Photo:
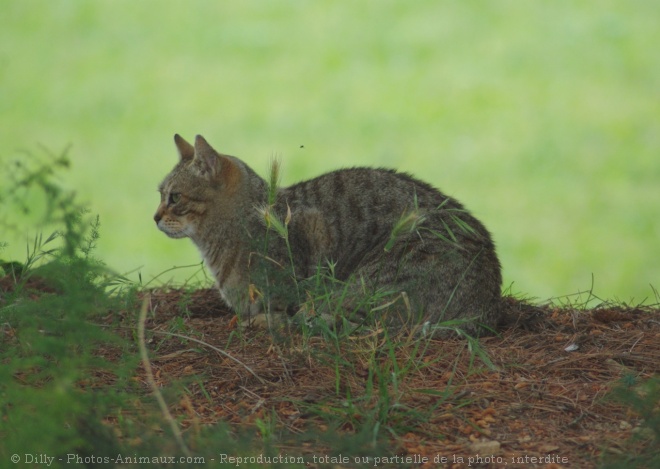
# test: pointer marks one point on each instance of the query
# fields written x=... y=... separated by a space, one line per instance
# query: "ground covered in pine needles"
x=540 y=394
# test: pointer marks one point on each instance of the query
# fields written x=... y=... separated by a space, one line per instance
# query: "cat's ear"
x=206 y=158
x=215 y=165
x=186 y=150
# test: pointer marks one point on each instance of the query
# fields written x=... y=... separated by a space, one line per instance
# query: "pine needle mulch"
x=543 y=400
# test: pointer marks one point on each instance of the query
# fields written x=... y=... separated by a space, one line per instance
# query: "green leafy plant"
x=643 y=448
x=53 y=373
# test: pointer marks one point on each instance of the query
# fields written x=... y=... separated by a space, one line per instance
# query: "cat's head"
x=203 y=180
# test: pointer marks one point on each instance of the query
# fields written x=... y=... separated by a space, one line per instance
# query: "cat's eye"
x=173 y=198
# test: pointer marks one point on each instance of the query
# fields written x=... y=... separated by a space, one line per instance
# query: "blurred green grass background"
x=541 y=117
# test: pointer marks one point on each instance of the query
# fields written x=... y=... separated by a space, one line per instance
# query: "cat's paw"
x=264 y=321
x=319 y=320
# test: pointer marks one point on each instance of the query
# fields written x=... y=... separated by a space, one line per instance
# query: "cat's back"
x=363 y=192
x=359 y=207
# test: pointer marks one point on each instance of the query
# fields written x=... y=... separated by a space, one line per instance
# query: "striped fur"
x=441 y=258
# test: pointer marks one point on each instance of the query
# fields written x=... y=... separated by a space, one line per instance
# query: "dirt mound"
x=539 y=392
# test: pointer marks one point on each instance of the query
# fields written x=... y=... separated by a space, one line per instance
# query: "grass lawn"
x=542 y=117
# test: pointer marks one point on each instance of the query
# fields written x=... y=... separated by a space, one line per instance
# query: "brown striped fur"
x=442 y=264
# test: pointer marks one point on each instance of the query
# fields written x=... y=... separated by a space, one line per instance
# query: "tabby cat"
x=371 y=233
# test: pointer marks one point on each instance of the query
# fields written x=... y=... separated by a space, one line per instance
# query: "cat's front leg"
x=264 y=313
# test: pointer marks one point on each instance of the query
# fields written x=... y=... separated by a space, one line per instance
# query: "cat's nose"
x=157 y=217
